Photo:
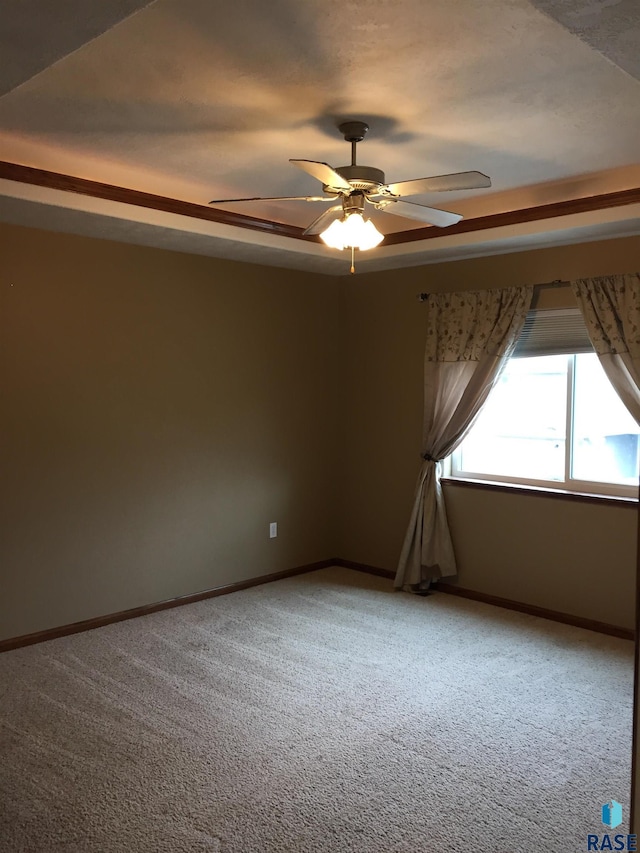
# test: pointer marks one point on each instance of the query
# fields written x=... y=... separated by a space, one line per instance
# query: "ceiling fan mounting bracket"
x=353 y=131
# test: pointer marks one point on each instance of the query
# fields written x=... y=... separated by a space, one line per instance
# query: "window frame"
x=453 y=470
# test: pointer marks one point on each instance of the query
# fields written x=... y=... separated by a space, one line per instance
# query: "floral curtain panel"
x=611 y=309
x=470 y=336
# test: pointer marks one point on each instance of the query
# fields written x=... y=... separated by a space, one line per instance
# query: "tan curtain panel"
x=470 y=336
x=611 y=309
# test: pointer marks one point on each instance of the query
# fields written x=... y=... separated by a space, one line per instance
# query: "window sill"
x=541 y=491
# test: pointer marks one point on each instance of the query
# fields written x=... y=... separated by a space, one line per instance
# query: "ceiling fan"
x=358 y=186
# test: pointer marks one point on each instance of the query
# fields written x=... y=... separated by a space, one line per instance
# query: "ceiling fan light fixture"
x=352 y=232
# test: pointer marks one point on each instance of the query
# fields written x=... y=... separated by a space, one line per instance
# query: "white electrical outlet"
x=273 y=530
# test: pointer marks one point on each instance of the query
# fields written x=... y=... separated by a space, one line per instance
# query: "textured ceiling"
x=201 y=99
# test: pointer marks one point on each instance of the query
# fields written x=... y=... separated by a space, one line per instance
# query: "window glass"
x=605 y=442
x=521 y=431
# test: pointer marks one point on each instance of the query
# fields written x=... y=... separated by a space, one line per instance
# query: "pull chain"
x=353 y=266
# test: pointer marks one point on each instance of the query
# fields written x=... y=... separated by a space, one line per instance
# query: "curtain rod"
x=557 y=282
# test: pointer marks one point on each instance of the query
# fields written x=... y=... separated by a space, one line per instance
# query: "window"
x=553 y=420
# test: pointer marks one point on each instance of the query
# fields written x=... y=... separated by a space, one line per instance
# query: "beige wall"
x=566 y=556
x=158 y=411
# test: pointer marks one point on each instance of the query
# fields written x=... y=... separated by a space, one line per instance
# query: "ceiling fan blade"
x=325 y=219
x=323 y=172
x=276 y=198
x=411 y=210
x=438 y=183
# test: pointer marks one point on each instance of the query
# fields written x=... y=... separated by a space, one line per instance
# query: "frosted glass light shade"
x=352 y=231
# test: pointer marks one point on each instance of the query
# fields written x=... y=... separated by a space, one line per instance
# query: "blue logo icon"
x=612 y=814
x=611 y=818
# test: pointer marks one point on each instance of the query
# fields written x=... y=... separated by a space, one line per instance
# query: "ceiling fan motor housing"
x=364 y=178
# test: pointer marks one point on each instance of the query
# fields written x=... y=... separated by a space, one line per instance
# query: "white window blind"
x=553 y=331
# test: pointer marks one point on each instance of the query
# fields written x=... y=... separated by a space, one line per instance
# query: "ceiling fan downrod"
x=353 y=132
x=361 y=178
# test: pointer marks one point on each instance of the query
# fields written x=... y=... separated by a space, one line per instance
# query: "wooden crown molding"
x=110 y=192
x=124 y=195
x=603 y=201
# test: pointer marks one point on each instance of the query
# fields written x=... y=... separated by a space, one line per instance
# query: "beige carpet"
x=320 y=713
